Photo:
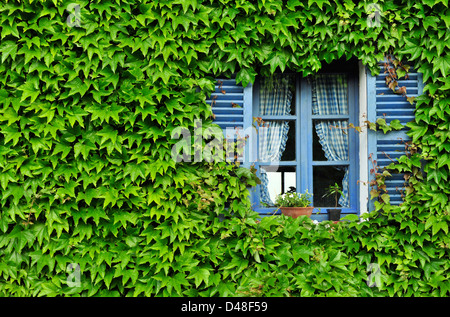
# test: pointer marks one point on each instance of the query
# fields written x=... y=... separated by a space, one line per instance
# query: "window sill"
x=318 y=215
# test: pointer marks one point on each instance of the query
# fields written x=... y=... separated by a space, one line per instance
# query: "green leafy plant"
x=293 y=199
x=93 y=205
x=334 y=190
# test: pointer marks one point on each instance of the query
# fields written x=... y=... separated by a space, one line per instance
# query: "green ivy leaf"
x=83 y=230
x=439 y=225
x=11 y=133
x=84 y=148
x=178 y=281
x=88 y=195
x=245 y=76
x=383 y=125
x=319 y=3
x=30 y=89
x=416 y=131
x=75 y=114
x=339 y=262
x=430 y=21
x=76 y=86
x=111 y=197
x=276 y=60
x=63 y=147
x=8 y=48
x=442 y=63
x=108 y=133
x=16 y=191
x=413 y=48
x=396 y=124
x=117 y=58
x=303 y=252
x=200 y=275
x=6 y=177
x=351 y=218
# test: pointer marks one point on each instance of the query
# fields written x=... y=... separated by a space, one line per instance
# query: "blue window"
x=304 y=141
x=301 y=142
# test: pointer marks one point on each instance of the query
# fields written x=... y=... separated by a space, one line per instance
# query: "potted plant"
x=334 y=214
x=295 y=204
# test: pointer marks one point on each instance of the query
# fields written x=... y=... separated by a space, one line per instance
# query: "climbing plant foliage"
x=92 y=203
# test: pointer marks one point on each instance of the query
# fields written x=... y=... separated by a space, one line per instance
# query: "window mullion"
x=279 y=117
x=330 y=117
x=330 y=163
x=298 y=149
x=353 y=140
x=304 y=118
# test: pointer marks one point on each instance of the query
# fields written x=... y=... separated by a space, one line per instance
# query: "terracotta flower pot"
x=294 y=212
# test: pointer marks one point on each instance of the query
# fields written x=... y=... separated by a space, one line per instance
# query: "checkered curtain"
x=330 y=98
x=275 y=99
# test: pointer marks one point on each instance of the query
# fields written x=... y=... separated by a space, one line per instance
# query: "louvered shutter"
x=384 y=103
x=232 y=107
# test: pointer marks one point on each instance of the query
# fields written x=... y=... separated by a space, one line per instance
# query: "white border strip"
x=363 y=157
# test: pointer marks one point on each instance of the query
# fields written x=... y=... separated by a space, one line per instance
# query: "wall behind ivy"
x=92 y=203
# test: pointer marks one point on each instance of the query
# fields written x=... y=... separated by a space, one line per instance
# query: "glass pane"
x=329 y=94
x=323 y=177
x=294 y=96
x=277 y=182
x=276 y=141
x=276 y=95
x=289 y=151
x=318 y=153
x=330 y=140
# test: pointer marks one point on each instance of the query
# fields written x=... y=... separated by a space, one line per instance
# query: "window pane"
x=318 y=153
x=276 y=141
x=289 y=151
x=330 y=140
x=276 y=95
x=278 y=182
x=294 y=96
x=329 y=94
x=323 y=177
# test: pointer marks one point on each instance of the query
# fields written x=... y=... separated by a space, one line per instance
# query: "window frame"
x=304 y=157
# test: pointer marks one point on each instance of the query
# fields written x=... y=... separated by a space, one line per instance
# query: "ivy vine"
x=93 y=205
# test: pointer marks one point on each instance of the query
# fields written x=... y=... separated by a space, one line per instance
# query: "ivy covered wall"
x=92 y=203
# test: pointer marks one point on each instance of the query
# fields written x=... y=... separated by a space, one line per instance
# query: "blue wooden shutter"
x=232 y=107
x=384 y=103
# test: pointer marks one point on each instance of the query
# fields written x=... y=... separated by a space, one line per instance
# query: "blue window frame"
x=235 y=107
x=302 y=162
